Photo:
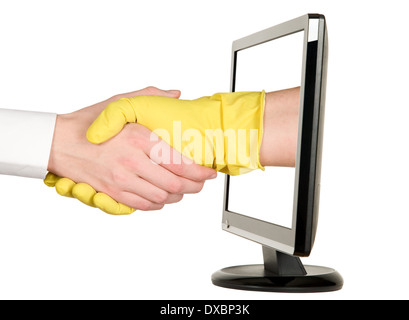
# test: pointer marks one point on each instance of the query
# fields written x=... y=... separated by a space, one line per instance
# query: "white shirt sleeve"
x=25 y=142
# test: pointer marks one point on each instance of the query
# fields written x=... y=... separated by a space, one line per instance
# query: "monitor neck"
x=282 y=264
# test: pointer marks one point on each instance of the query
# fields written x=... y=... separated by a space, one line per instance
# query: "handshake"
x=147 y=148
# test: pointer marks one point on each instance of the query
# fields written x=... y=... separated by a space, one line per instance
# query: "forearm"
x=279 y=144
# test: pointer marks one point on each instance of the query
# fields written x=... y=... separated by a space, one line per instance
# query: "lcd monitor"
x=278 y=208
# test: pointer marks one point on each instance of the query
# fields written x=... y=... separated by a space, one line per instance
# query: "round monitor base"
x=256 y=278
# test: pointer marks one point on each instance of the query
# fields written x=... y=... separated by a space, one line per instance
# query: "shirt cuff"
x=25 y=142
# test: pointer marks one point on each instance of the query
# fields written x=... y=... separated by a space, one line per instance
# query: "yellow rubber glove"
x=226 y=129
x=86 y=194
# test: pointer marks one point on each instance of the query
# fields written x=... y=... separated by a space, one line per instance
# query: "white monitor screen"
x=271 y=66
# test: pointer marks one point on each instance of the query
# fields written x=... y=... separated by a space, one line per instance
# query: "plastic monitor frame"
x=282 y=270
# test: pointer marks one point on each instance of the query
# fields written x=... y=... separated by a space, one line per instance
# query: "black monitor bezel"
x=299 y=239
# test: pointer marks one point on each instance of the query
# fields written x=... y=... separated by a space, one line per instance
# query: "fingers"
x=64 y=187
x=165 y=180
x=135 y=184
x=176 y=163
x=84 y=193
x=51 y=179
x=189 y=170
x=138 y=202
x=155 y=198
x=110 y=206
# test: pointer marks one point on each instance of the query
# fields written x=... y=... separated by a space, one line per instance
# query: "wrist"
x=56 y=145
x=68 y=144
x=279 y=144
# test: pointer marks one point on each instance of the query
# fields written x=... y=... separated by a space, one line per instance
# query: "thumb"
x=154 y=91
x=151 y=91
x=173 y=93
x=111 y=121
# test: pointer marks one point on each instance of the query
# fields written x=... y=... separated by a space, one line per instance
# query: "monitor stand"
x=279 y=273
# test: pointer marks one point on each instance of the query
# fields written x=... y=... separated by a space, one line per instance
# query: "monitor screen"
x=278 y=207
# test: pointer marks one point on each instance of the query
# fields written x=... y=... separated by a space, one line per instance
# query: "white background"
x=62 y=57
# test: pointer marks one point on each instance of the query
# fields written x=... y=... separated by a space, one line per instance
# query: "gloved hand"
x=237 y=116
